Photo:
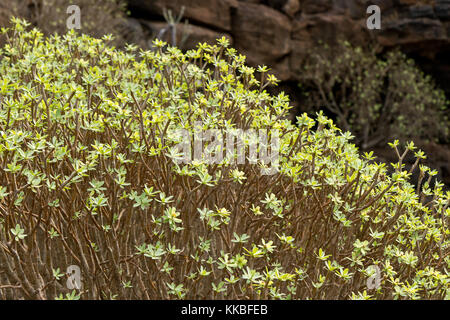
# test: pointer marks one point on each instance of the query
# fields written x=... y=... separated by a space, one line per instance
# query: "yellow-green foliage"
x=88 y=177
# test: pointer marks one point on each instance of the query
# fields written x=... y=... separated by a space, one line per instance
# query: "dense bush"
x=376 y=98
x=89 y=177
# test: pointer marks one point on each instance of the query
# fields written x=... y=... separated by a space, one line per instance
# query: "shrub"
x=377 y=99
x=90 y=177
x=98 y=17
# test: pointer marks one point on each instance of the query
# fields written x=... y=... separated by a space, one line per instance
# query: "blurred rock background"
x=276 y=33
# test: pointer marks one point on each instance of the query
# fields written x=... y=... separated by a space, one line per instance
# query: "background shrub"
x=377 y=99
x=89 y=177
x=99 y=17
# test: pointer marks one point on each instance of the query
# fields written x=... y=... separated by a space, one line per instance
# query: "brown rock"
x=316 y=6
x=216 y=13
x=308 y=31
x=421 y=12
x=356 y=9
x=443 y=10
x=263 y=35
x=408 y=2
x=275 y=4
x=407 y=31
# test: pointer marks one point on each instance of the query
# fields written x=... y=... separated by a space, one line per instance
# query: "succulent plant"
x=89 y=177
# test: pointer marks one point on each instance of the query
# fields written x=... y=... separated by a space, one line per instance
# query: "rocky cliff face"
x=278 y=32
